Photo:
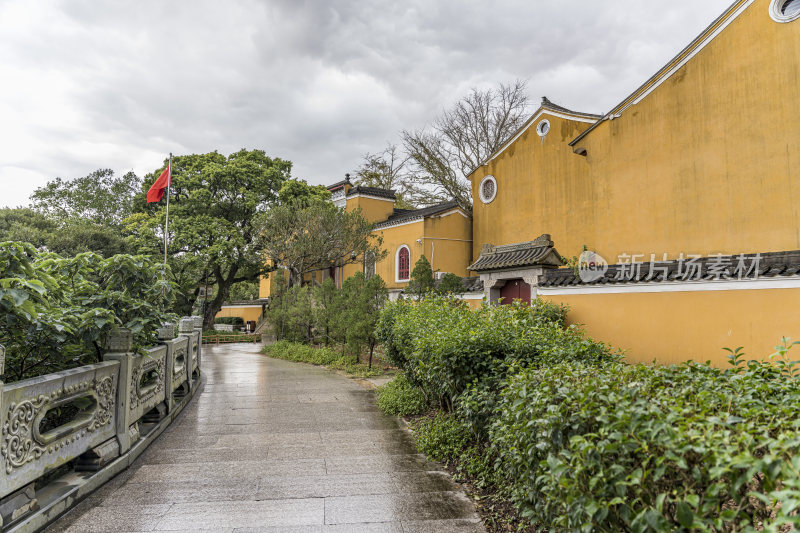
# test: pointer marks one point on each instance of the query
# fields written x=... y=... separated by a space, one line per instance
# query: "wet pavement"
x=273 y=446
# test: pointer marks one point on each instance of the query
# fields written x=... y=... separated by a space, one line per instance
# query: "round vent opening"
x=487 y=189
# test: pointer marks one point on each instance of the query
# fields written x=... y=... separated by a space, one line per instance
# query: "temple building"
x=683 y=200
x=669 y=225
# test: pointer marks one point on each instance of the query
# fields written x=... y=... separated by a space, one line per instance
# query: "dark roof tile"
x=372 y=191
x=770 y=264
x=403 y=215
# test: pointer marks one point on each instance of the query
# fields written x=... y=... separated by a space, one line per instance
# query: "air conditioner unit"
x=440 y=275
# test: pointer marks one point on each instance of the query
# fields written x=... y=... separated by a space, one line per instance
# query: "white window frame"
x=775 y=12
x=480 y=189
x=540 y=128
x=397 y=264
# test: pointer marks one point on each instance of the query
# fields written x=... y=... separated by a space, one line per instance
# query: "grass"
x=327 y=357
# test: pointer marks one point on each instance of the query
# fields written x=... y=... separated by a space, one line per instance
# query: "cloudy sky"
x=88 y=84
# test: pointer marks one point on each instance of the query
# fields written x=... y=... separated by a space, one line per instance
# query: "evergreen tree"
x=450 y=284
x=326 y=310
x=422 y=281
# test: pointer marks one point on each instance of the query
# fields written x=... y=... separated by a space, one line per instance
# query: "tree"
x=57 y=311
x=215 y=202
x=278 y=309
x=460 y=139
x=422 y=281
x=362 y=300
x=99 y=197
x=70 y=236
x=244 y=290
x=386 y=170
x=326 y=310
x=316 y=237
x=300 y=194
x=450 y=284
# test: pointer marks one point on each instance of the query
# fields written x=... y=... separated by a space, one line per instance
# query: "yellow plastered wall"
x=245 y=313
x=373 y=210
x=393 y=238
x=542 y=187
x=447 y=242
x=676 y=326
x=707 y=163
x=265 y=286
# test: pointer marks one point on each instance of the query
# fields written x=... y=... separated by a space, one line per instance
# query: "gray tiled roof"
x=546 y=103
x=770 y=264
x=339 y=184
x=539 y=252
x=403 y=215
x=372 y=191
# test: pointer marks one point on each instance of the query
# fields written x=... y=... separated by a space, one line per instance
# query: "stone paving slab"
x=270 y=446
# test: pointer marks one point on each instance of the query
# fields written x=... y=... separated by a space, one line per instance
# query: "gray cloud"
x=119 y=85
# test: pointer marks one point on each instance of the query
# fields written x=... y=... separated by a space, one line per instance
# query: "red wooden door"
x=515 y=289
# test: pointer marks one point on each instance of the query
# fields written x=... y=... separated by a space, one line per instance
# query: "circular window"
x=488 y=189
x=785 y=10
x=543 y=128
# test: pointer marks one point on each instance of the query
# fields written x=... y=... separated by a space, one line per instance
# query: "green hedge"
x=652 y=448
x=584 y=442
x=399 y=397
x=303 y=353
x=230 y=320
x=444 y=346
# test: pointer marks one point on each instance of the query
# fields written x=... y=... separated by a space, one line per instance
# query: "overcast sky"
x=87 y=84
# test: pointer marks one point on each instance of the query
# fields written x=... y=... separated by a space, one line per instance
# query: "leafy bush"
x=230 y=320
x=399 y=397
x=303 y=353
x=444 y=346
x=57 y=312
x=444 y=437
x=394 y=347
x=450 y=284
x=623 y=447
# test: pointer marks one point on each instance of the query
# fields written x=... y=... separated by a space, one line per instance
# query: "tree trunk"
x=371 y=349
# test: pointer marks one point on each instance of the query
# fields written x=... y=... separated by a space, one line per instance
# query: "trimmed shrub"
x=399 y=397
x=303 y=353
x=230 y=320
x=445 y=346
x=394 y=346
x=620 y=447
x=444 y=437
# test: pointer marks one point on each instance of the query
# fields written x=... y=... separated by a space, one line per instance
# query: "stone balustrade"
x=82 y=426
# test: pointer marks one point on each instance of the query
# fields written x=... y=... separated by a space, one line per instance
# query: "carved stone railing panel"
x=181 y=362
x=26 y=450
x=147 y=382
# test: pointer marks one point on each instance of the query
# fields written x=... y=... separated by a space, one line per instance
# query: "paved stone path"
x=268 y=446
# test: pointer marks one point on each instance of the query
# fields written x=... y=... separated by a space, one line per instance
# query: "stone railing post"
x=198 y=329
x=119 y=345
x=186 y=329
x=166 y=334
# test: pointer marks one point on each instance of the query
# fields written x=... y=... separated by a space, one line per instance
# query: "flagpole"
x=166 y=222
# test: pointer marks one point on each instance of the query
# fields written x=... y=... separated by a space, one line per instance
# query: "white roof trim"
x=448 y=213
x=241 y=306
x=671 y=286
x=523 y=129
x=702 y=44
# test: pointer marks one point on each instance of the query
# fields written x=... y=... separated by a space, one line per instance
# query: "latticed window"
x=403 y=264
x=488 y=189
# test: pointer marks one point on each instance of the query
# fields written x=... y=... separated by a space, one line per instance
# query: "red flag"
x=157 y=190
